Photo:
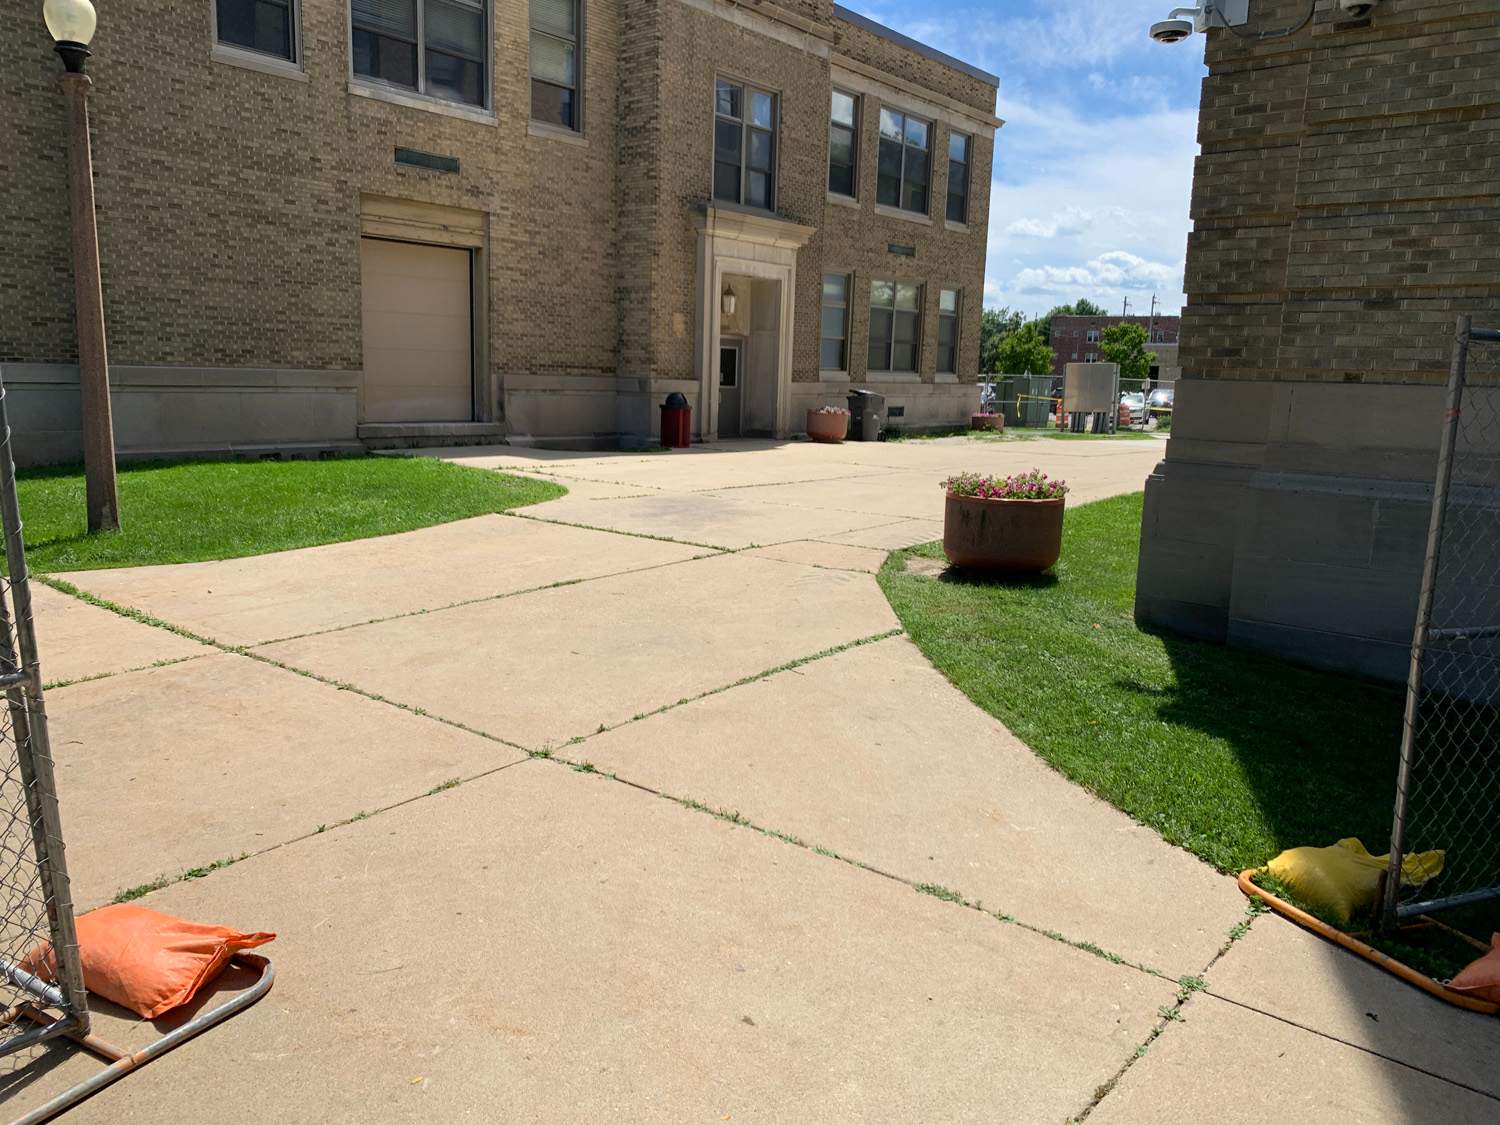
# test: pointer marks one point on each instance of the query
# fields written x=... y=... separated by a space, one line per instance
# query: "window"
x=744 y=145
x=1091 y=358
x=435 y=47
x=843 y=144
x=554 y=62
x=833 y=348
x=958 y=178
x=905 y=162
x=265 y=26
x=895 y=326
x=947 y=354
x=1093 y=335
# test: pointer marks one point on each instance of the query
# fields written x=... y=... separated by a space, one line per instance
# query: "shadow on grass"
x=999 y=579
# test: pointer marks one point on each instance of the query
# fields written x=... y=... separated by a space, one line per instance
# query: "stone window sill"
x=833 y=376
x=556 y=133
x=411 y=100
x=843 y=200
x=254 y=60
x=960 y=228
x=898 y=213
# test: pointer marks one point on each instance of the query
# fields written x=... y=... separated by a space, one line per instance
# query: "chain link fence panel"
x=1448 y=787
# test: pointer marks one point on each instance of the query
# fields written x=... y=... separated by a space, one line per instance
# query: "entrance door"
x=418 y=334
x=731 y=387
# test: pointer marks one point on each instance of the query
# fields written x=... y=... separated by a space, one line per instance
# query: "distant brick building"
x=1075 y=339
x=327 y=222
x=1344 y=213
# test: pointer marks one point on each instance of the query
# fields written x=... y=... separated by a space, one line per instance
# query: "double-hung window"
x=435 y=47
x=555 y=55
x=895 y=326
x=744 y=145
x=833 y=347
x=267 y=27
x=843 y=144
x=947 y=343
x=905 y=161
x=958 y=178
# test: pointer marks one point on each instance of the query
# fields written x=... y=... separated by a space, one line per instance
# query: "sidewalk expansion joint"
x=616 y=531
x=1186 y=988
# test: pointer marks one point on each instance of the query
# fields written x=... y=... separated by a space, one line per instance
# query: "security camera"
x=1175 y=31
x=1357 y=8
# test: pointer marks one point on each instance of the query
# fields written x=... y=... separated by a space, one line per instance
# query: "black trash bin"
x=866 y=415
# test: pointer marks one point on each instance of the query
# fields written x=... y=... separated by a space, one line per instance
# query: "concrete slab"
x=893 y=495
x=253 y=600
x=546 y=946
x=892 y=536
x=721 y=519
x=1232 y=1066
x=835 y=556
x=547 y=666
x=872 y=753
x=77 y=640
x=177 y=767
x=1289 y=973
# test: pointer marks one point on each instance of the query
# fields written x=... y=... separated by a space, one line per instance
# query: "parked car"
x=1132 y=409
x=1159 y=402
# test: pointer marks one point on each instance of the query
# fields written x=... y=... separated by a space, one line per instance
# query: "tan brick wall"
x=1346 y=199
x=229 y=198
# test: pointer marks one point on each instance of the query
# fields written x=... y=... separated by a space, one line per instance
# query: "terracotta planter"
x=1014 y=535
x=829 y=428
x=987 y=422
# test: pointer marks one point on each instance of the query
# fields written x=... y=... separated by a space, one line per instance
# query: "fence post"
x=1456 y=376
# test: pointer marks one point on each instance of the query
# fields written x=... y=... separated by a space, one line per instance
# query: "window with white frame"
x=958 y=178
x=1093 y=335
x=843 y=144
x=905 y=170
x=556 y=26
x=947 y=342
x=895 y=326
x=434 y=47
x=744 y=145
x=267 y=27
x=833 y=346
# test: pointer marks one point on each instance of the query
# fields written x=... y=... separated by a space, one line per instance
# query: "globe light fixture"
x=71 y=24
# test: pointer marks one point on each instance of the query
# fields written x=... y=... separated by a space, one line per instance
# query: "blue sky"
x=1093 y=170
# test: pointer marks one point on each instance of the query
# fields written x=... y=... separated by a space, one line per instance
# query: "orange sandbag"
x=146 y=961
x=1482 y=978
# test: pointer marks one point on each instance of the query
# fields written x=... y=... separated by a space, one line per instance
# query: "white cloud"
x=1113 y=271
x=1071 y=220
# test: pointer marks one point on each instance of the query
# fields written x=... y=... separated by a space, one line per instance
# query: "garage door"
x=417 y=333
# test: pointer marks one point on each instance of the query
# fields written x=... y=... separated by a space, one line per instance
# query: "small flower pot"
x=1023 y=536
x=830 y=429
x=987 y=422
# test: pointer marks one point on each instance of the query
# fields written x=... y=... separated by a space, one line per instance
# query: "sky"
x=1093 y=169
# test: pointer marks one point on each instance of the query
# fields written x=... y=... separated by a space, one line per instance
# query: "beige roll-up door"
x=418 y=334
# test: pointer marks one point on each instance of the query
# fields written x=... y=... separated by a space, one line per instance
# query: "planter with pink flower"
x=1004 y=523
x=828 y=424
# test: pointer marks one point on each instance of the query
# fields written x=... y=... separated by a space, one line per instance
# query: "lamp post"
x=71 y=23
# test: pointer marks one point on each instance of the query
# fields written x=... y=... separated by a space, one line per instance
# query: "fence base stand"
x=1368 y=952
x=122 y=1062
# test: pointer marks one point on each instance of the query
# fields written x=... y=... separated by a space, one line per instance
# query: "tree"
x=1125 y=344
x=1084 y=307
x=1025 y=350
x=994 y=326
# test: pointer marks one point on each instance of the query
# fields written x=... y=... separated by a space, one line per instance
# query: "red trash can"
x=676 y=422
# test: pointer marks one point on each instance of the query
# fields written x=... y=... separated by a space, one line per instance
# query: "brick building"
x=1344 y=207
x=331 y=221
x=1075 y=339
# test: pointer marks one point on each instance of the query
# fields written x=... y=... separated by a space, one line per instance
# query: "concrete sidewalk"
x=560 y=822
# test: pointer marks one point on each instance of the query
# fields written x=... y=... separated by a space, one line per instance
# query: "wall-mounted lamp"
x=728 y=302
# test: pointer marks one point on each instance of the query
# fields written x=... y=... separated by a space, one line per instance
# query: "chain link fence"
x=1448 y=787
x=41 y=983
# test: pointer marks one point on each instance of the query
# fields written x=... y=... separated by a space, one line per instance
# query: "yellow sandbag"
x=1344 y=880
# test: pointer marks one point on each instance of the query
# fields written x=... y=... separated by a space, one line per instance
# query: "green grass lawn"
x=1230 y=755
x=199 y=510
